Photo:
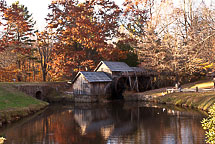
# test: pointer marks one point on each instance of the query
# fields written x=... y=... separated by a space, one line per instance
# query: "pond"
x=117 y=123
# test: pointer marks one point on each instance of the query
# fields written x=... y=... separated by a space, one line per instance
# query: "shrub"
x=208 y=125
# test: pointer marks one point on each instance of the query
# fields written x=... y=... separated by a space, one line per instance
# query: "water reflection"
x=108 y=123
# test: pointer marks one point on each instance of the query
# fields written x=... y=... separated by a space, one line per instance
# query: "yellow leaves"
x=209 y=66
x=60 y=21
x=83 y=17
x=50 y=25
x=79 y=40
x=76 y=70
x=2 y=139
x=54 y=2
x=208 y=124
x=68 y=18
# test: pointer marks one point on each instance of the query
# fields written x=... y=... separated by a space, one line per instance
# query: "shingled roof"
x=115 y=66
x=93 y=77
x=144 y=71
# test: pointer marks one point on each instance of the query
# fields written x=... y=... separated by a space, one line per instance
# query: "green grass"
x=15 y=104
x=201 y=101
x=10 y=98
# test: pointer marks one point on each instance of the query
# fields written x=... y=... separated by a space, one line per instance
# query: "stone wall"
x=91 y=98
x=85 y=98
x=42 y=90
x=138 y=97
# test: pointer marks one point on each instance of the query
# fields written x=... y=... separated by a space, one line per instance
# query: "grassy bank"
x=201 y=101
x=15 y=104
x=197 y=100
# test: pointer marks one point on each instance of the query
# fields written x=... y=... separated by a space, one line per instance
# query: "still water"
x=112 y=123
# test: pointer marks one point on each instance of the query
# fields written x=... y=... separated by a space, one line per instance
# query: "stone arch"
x=38 y=95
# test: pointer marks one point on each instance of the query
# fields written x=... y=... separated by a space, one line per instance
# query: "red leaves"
x=17 y=28
x=82 y=31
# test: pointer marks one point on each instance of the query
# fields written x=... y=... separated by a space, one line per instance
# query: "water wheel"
x=119 y=86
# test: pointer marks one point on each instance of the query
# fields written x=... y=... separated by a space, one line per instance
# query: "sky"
x=39 y=9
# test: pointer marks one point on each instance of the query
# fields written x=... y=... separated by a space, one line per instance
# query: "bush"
x=208 y=125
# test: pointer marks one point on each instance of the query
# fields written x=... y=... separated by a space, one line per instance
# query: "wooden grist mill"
x=137 y=80
x=121 y=78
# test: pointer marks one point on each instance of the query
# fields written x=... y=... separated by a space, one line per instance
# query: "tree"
x=2 y=38
x=18 y=30
x=19 y=27
x=82 y=31
x=16 y=38
x=45 y=41
x=178 y=41
x=134 y=18
x=131 y=56
x=208 y=125
x=149 y=25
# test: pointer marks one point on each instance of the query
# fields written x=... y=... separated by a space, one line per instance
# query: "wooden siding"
x=81 y=86
x=104 y=68
x=98 y=88
x=116 y=74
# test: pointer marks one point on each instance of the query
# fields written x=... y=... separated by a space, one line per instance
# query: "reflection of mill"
x=127 y=122
x=89 y=121
x=104 y=122
x=109 y=123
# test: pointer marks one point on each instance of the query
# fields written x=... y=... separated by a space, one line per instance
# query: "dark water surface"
x=112 y=123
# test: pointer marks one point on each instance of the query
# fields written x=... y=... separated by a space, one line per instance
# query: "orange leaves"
x=68 y=18
x=18 y=27
x=54 y=2
x=17 y=31
x=53 y=25
x=82 y=31
x=60 y=21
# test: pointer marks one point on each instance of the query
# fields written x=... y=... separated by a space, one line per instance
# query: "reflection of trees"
x=53 y=126
x=114 y=123
x=145 y=125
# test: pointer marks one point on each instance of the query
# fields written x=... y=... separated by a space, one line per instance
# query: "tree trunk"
x=44 y=75
x=44 y=67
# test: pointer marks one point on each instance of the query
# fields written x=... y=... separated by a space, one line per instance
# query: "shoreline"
x=201 y=100
x=194 y=100
x=15 y=105
x=15 y=114
x=11 y=112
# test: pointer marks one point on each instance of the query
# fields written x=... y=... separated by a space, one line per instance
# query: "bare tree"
x=45 y=47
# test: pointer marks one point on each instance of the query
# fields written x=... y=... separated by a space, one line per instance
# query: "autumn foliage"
x=82 y=31
x=157 y=35
x=16 y=40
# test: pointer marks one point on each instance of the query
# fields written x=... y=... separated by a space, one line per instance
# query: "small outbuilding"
x=113 y=69
x=91 y=86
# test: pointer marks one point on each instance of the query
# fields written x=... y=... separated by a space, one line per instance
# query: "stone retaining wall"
x=85 y=98
x=42 y=91
x=138 y=97
x=90 y=98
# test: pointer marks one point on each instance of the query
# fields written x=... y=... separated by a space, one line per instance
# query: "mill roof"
x=115 y=66
x=93 y=77
x=144 y=71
